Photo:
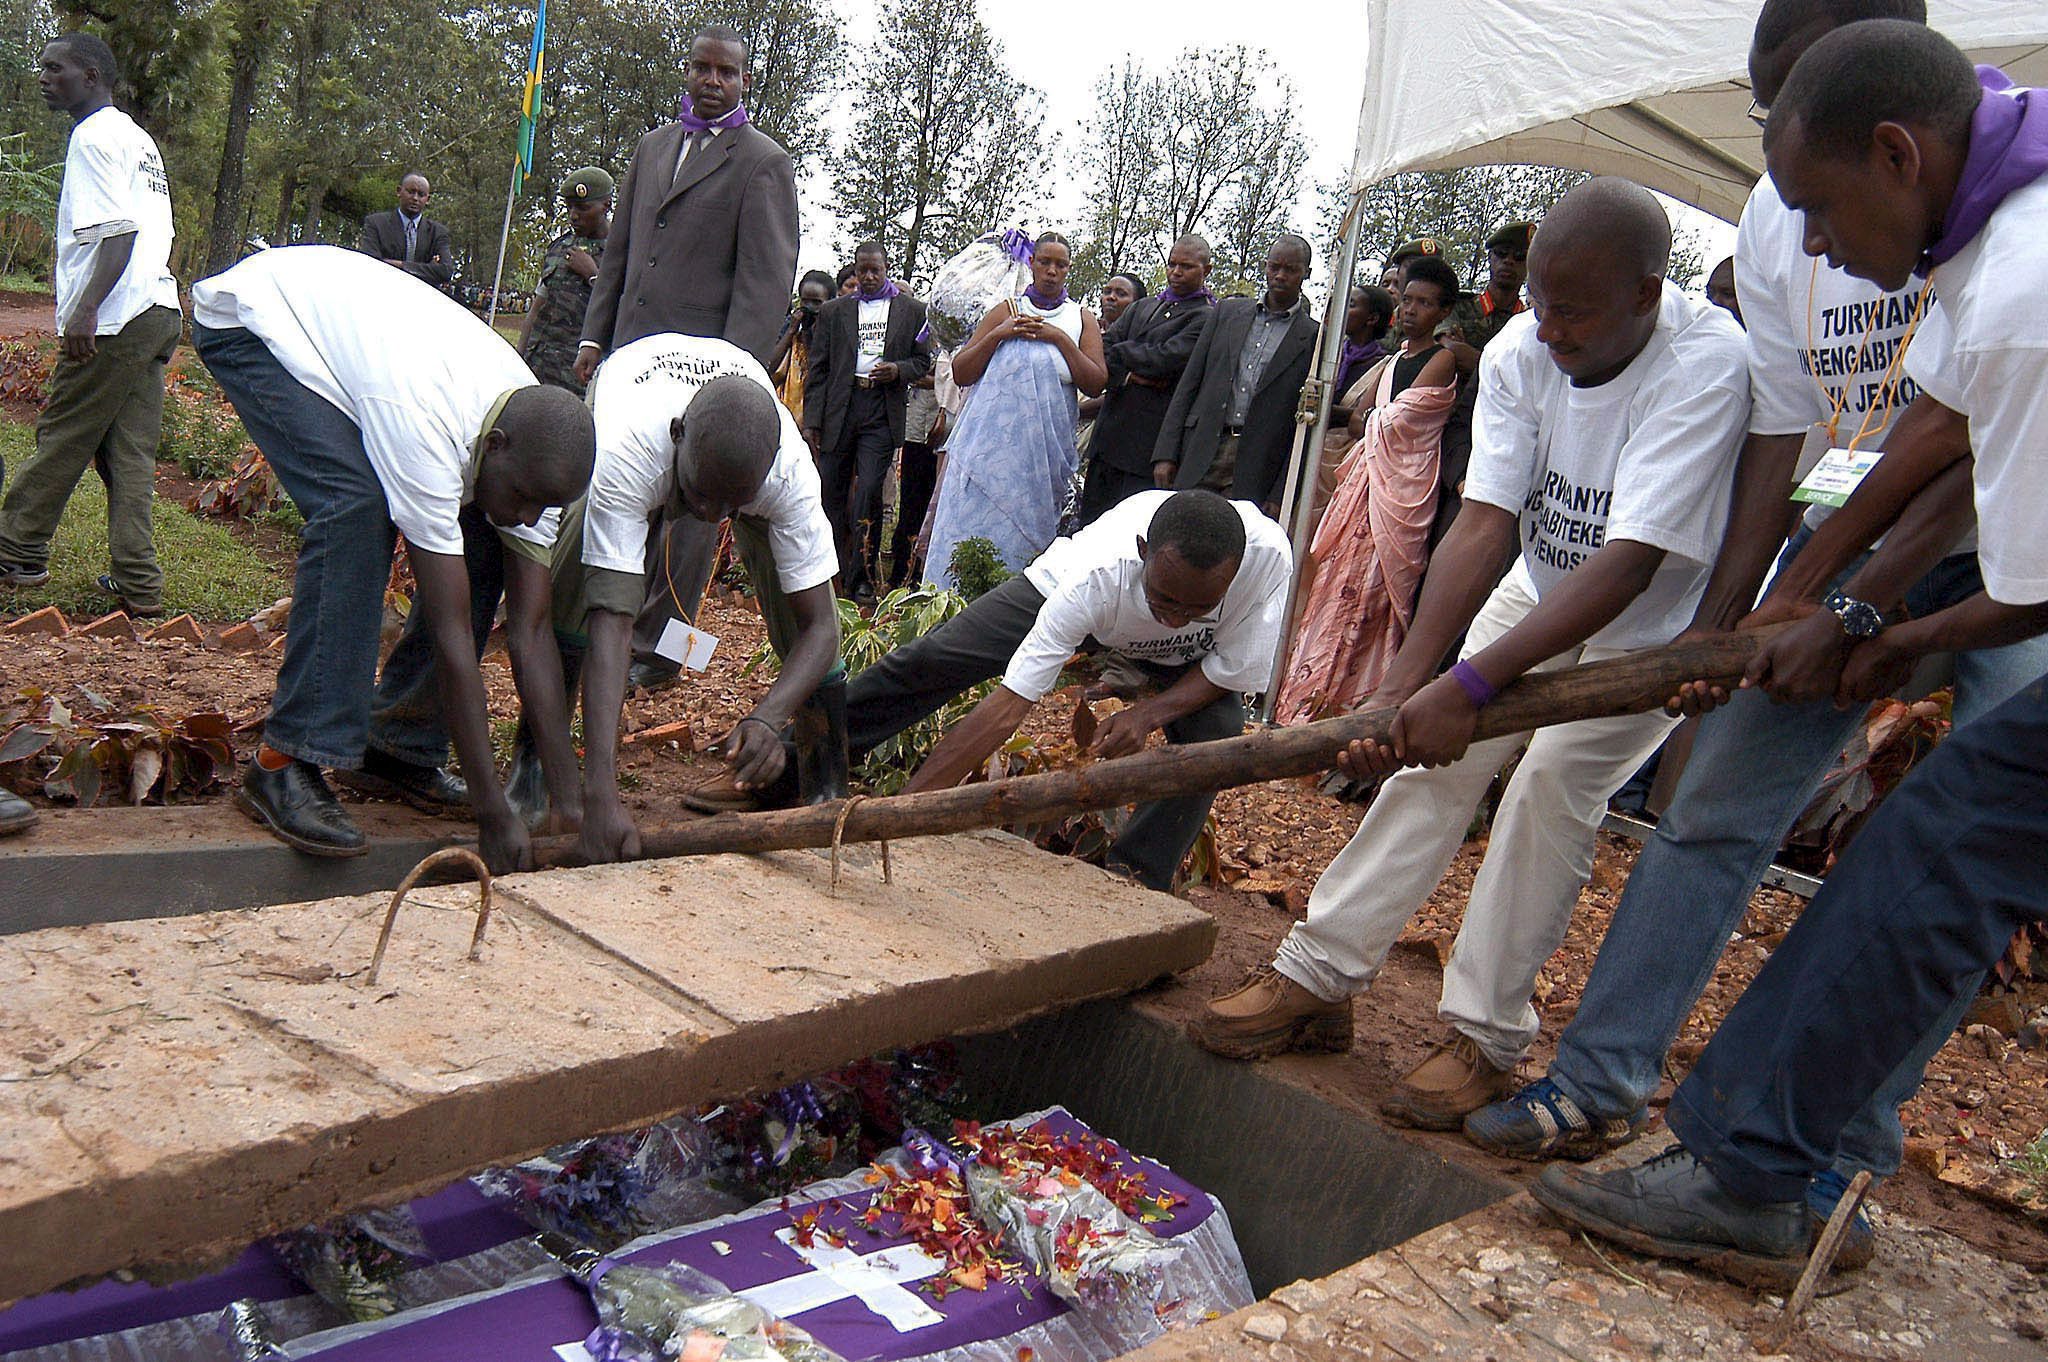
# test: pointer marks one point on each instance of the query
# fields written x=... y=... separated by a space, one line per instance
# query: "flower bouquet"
x=768 y=1147
x=601 y=1192
x=993 y=267
x=351 y=1263
x=1030 y=1187
x=915 y=1088
x=654 y=1313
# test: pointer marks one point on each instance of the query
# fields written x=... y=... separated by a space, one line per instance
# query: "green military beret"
x=1426 y=245
x=1514 y=236
x=588 y=185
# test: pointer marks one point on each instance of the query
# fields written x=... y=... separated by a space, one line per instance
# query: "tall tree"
x=1460 y=208
x=1223 y=111
x=255 y=25
x=1120 y=152
x=1260 y=202
x=948 y=142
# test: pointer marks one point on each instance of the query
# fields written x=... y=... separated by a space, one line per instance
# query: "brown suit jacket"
x=710 y=252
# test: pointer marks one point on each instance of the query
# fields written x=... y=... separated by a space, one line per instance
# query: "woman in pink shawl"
x=1369 y=550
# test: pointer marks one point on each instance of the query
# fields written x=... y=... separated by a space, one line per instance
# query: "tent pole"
x=1304 y=466
x=504 y=240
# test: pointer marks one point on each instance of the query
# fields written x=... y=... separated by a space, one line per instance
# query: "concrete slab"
x=1508 y=1284
x=173 y=1088
x=119 y=864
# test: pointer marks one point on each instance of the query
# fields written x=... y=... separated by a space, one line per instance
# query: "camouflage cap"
x=1513 y=236
x=588 y=185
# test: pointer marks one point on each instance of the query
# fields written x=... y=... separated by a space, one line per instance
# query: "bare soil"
x=1986 y=1098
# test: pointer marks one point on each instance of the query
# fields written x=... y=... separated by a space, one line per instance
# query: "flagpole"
x=504 y=239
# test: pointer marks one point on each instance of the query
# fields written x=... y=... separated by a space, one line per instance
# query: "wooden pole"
x=1623 y=685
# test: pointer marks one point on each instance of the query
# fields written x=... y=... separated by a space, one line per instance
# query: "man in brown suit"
x=703 y=242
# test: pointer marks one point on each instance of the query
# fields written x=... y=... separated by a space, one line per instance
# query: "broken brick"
x=113 y=626
x=183 y=629
x=241 y=638
x=48 y=620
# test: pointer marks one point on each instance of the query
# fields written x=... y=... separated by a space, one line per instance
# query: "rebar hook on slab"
x=839 y=835
x=441 y=857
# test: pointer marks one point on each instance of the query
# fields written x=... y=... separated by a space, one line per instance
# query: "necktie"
x=411 y=231
x=691 y=143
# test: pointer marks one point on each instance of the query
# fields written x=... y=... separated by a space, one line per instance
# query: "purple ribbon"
x=2008 y=152
x=686 y=114
x=1044 y=304
x=1015 y=244
x=889 y=289
x=1170 y=296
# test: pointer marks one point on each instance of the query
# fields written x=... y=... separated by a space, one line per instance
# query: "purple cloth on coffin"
x=525 y=1325
x=456 y=1221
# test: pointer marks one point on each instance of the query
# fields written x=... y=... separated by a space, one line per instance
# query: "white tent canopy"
x=1653 y=90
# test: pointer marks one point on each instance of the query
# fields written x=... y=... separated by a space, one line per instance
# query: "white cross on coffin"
x=876 y=1280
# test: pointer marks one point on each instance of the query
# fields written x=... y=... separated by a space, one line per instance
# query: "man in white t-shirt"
x=1604 y=443
x=689 y=426
x=1825 y=371
x=1188 y=587
x=117 y=314
x=1899 y=163
x=380 y=404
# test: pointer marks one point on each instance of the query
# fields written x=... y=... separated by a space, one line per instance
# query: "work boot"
x=822 y=763
x=1542 y=1122
x=1453 y=1082
x=1269 y=1014
x=526 y=787
x=430 y=789
x=1671 y=1207
x=1859 y=1245
x=16 y=813
x=298 y=807
x=651 y=676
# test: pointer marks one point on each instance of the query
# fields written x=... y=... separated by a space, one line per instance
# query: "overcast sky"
x=1314 y=42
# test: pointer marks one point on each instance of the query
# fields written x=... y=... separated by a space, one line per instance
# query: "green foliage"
x=207 y=571
x=2032 y=1166
x=201 y=433
x=977 y=568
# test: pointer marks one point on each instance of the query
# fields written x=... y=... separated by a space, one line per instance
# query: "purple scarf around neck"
x=1170 y=296
x=686 y=114
x=1355 y=355
x=1045 y=304
x=2008 y=152
x=889 y=289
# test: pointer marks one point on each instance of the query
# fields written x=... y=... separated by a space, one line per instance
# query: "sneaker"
x=1671 y=1207
x=1269 y=1014
x=1859 y=1245
x=132 y=609
x=298 y=807
x=430 y=789
x=1541 y=1122
x=21 y=574
x=1456 y=1080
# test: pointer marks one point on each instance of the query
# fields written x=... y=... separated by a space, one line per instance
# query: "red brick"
x=48 y=620
x=115 y=626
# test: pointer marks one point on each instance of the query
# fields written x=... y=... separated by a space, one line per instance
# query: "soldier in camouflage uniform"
x=547 y=342
x=1479 y=316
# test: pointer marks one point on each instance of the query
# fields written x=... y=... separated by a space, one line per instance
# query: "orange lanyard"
x=1888 y=385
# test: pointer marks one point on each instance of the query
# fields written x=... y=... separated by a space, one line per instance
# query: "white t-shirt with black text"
x=415 y=370
x=114 y=183
x=873 y=327
x=1648 y=456
x=1982 y=352
x=1094 y=587
x=639 y=390
x=1818 y=339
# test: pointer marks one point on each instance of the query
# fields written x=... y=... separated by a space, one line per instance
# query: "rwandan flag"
x=529 y=104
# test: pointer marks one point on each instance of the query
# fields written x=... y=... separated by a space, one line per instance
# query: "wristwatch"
x=1860 y=619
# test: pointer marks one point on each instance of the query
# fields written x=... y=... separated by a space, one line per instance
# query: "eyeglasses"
x=1758 y=113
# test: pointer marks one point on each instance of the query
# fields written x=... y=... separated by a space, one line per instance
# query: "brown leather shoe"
x=1269 y=1014
x=716 y=793
x=1441 y=1091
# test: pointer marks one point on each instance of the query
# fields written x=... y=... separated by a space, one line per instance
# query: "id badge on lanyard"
x=1836 y=476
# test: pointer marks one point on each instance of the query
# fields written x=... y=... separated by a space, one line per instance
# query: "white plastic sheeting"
x=1654 y=90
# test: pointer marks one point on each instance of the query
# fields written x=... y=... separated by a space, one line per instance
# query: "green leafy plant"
x=977 y=568
x=200 y=432
x=107 y=756
x=28 y=202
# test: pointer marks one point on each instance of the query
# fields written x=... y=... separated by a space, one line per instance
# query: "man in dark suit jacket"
x=704 y=233
x=703 y=242
x=1146 y=351
x=406 y=237
x=1230 y=427
x=865 y=354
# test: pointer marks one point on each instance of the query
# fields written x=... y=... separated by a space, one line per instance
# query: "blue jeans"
x=320 y=711
x=1755 y=766
x=1927 y=896
x=407 y=721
